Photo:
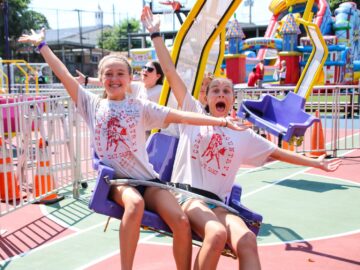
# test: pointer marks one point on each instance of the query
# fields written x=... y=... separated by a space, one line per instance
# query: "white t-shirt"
x=209 y=157
x=117 y=132
x=283 y=73
x=138 y=90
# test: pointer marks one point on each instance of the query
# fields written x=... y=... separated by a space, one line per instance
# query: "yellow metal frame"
x=309 y=25
x=217 y=71
x=194 y=12
x=3 y=74
x=217 y=68
x=16 y=63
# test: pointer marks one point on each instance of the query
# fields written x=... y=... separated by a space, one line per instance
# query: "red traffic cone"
x=9 y=185
x=317 y=139
x=44 y=181
x=287 y=146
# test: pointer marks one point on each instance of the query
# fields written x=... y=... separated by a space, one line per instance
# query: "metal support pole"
x=128 y=35
x=7 y=47
x=81 y=41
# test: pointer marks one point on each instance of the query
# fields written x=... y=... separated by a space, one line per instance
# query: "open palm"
x=150 y=22
x=34 y=38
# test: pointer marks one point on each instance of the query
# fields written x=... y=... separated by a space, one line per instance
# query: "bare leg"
x=205 y=223
x=240 y=239
x=165 y=204
x=133 y=204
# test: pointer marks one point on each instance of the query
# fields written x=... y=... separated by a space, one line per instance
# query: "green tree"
x=20 y=19
x=116 y=39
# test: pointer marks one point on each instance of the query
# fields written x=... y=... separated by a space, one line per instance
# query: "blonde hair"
x=106 y=58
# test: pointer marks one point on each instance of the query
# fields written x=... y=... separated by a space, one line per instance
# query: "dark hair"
x=254 y=69
x=159 y=71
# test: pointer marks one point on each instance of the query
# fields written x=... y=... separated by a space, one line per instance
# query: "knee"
x=181 y=224
x=247 y=244
x=215 y=236
x=135 y=206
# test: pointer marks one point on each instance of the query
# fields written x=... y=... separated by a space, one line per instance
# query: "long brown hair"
x=159 y=71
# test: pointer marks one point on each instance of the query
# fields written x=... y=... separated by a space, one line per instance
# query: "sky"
x=63 y=14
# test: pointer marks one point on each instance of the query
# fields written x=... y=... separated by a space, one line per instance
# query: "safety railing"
x=44 y=147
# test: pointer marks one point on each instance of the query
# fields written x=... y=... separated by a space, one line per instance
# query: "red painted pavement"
x=333 y=253
x=349 y=169
x=27 y=228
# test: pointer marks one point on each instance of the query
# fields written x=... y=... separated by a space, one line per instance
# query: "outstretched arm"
x=152 y=24
x=197 y=119
x=328 y=165
x=59 y=69
x=81 y=78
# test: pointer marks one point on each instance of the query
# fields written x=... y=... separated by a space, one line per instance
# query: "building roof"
x=71 y=36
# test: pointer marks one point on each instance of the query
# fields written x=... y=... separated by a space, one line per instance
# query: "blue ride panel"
x=284 y=118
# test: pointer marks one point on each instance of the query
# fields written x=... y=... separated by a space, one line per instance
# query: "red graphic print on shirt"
x=214 y=149
x=115 y=134
x=218 y=153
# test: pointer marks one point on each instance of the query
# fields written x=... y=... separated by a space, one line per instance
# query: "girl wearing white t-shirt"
x=208 y=158
x=149 y=87
x=117 y=127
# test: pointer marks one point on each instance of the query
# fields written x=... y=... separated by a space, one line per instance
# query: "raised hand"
x=150 y=22
x=34 y=38
x=80 y=78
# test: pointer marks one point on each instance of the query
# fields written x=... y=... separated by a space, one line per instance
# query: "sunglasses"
x=148 y=69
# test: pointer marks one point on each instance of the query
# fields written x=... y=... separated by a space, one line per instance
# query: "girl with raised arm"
x=117 y=126
x=208 y=158
x=149 y=87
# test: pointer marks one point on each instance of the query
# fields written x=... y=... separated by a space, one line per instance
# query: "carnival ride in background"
x=280 y=42
x=285 y=40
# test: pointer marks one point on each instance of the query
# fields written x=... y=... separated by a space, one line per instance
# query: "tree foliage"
x=20 y=19
x=116 y=39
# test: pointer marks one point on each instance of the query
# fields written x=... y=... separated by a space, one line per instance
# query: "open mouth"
x=220 y=106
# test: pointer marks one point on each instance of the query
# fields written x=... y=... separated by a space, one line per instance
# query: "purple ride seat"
x=284 y=118
x=161 y=150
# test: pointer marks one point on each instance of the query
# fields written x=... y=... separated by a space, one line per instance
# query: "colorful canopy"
x=290 y=26
x=234 y=30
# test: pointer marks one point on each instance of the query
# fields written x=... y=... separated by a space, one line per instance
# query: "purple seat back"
x=162 y=150
x=286 y=117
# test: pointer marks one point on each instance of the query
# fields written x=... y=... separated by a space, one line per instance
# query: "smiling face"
x=149 y=76
x=115 y=74
x=220 y=97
